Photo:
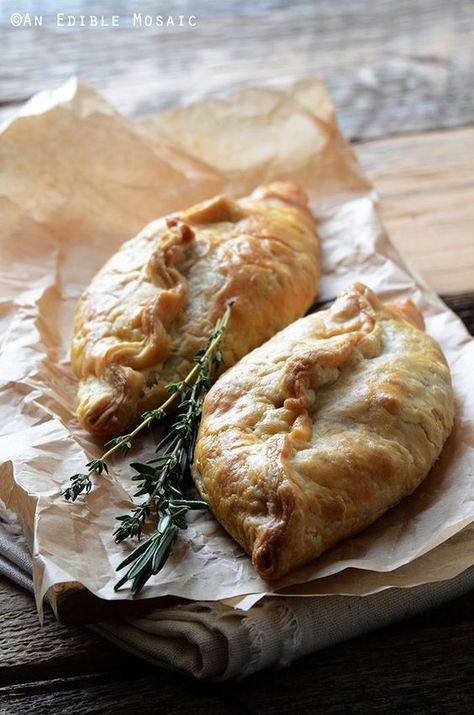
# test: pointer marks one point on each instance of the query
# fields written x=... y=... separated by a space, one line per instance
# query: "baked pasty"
x=156 y=301
x=315 y=434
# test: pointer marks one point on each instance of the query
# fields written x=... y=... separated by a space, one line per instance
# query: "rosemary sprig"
x=82 y=482
x=160 y=479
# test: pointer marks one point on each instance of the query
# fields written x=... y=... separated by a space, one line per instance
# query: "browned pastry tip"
x=409 y=311
x=288 y=192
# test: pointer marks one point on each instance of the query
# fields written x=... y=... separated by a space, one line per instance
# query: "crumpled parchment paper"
x=78 y=179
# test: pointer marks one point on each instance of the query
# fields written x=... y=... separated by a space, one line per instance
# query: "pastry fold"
x=315 y=434
x=156 y=301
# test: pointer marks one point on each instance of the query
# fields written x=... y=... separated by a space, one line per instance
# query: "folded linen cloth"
x=210 y=640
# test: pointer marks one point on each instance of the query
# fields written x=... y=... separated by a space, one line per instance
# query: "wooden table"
x=401 y=76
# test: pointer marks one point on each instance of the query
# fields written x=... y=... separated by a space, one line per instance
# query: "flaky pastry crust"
x=315 y=434
x=155 y=302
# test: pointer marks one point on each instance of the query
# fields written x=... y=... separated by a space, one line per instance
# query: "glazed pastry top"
x=155 y=302
x=313 y=435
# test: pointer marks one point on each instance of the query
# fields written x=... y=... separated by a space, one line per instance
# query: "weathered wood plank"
x=426 y=185
x=73 y=604
x=97 y=695
x=29 y=652
x=403 y=669
x=463 y=305
x=424 y=665
x=391 y=65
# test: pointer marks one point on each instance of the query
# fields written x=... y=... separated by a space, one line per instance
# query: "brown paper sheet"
x=77 y=179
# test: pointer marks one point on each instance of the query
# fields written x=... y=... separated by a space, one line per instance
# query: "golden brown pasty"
x=157 y=299
x=315 y=434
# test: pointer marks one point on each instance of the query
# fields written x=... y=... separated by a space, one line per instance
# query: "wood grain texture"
x=424 y=665
x=426 y=187
x=27 y=651
x=73 y=604
x=392 y=66
x=463 y=305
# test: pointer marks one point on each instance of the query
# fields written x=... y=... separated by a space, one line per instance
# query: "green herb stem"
x=82 y=482
x=160 y=478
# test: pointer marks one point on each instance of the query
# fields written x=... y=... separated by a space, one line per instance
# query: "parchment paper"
x=76 y=180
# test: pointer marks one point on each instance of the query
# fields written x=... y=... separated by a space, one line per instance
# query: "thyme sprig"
x=82 y=482
x=160 y=479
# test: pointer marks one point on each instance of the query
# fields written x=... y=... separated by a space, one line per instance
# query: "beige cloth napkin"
x=212 y=641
